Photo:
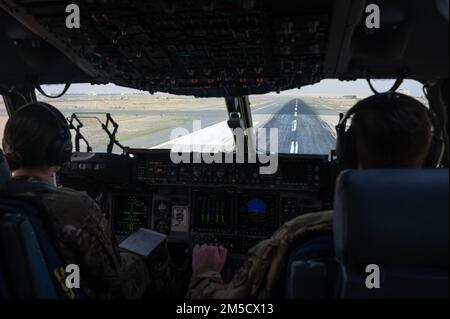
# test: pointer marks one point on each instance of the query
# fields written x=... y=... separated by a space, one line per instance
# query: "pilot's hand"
x=208 y=258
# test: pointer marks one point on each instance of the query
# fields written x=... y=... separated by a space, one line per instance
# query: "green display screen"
x=132 y=214
x=212 y=210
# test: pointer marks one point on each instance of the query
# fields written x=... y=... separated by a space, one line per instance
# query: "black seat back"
x=23 y=265
x=30 y=263
x=398 y=220
x=312 y=270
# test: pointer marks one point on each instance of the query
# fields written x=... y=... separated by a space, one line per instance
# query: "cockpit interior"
x=229 y=51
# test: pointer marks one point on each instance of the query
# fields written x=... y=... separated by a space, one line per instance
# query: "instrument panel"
x=297 y=171
x=228 y=204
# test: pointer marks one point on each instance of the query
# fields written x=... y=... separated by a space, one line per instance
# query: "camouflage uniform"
x=262 y=275
x=85 y=238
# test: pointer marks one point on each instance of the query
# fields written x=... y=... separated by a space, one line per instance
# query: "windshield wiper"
x=76 y=124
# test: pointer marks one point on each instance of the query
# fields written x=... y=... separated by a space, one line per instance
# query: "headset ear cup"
x=66 y=152
x=351 y=150
x=339 y=144
x=346 y=150
x=59 y=151
x=54 y=151
x=345 y=141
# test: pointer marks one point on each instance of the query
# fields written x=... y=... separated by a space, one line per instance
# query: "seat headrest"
x=392 y=217
x=5 y=173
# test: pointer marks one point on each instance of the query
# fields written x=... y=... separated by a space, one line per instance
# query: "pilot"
x=37 y=142
x=388 y=130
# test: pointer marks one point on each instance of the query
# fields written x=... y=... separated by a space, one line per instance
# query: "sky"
x=325 y=87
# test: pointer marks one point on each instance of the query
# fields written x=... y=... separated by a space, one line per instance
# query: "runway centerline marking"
x=294 y=125
x=294 y=147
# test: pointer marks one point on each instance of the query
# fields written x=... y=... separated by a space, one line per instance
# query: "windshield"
x=304 y=120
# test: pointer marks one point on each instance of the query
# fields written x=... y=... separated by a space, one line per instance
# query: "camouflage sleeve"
x=206 y=285
x=105 y=272
x=262 y=274
x=165 y=279
x=210 y=285
x=134 y=276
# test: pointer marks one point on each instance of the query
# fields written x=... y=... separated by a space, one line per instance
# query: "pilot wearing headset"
x=36 y=143
x=387 y=130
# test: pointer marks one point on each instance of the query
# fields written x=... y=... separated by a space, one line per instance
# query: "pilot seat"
x=390 y=238
x=30 y=265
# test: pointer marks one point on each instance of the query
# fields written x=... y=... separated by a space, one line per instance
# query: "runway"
x=302 y=129
x=305 y=126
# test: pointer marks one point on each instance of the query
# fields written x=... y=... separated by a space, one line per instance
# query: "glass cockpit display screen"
x=256 y=213
x=212 y=211
x=131 y=213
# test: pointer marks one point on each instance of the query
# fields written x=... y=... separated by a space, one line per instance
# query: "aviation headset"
x=346 y=140
x=59 y=149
